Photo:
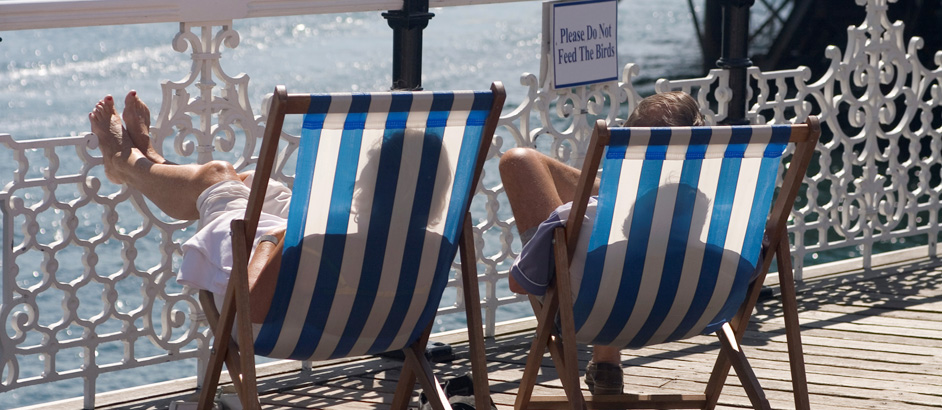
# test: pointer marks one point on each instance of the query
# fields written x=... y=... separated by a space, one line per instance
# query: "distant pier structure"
x=788 y=33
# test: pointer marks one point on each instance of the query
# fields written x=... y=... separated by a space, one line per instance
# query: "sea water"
x=50 y=80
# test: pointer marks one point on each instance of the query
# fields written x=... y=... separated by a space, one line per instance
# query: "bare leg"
x=173 y=188
x=530 y=186
x=536 y=185
x=130 y=159
x=606 y=354
x=136 y=117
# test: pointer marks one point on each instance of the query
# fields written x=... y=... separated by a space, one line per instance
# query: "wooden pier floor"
x=871 y=341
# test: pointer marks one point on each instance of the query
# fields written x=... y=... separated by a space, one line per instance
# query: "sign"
x=580 y=39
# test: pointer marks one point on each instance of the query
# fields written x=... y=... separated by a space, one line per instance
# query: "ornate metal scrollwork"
x=875 y=179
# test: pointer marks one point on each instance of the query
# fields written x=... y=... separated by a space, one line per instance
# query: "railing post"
x=407 y=25
x=7 y=282
x=734 y=56
x=88 y=403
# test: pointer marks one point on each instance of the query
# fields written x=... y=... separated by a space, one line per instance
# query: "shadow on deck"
x=871 y=340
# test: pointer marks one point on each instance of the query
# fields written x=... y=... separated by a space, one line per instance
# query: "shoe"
x=604 y=378
x=460 y=393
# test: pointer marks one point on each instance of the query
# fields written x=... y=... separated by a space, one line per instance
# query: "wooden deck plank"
x=871 y=341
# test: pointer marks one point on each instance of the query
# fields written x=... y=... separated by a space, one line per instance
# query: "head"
x=672 y=109
x=688 y=200
x=403 y=149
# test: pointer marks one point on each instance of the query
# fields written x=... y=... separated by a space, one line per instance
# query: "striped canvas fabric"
x=679 y=227
x=381 y=190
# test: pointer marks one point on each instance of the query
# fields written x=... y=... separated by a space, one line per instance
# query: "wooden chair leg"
x=717 y=380
x=415 y=356
x=210 y=381
x=564 y=357
x=472 y=304
x=218 y=352
x=406 y=385
x=537 y=348
x=241 y=367
x=796 y=358
x=207 y=301
x=555 y=347
x=738 y=324
x=404 y=388
x=248 y=388
x=570 y=365
x=234 y=367
x=748 y=378
x=792 y=330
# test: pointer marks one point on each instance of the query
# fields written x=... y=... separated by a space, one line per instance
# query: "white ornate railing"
x=876 y=179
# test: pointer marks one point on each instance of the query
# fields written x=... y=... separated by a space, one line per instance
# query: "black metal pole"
x=712 y=33
x=734 y=56
x=407 y=25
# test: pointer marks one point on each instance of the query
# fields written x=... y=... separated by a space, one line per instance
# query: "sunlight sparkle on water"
x=465 y=48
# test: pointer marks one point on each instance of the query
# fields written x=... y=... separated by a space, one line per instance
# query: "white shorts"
x=207 y=256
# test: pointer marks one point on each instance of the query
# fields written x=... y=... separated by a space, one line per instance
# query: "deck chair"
x=379 y=208
x=677 y=249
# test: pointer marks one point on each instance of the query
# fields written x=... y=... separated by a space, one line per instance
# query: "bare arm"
x=263 y=275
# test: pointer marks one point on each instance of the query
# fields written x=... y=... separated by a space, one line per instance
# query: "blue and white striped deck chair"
x=685 y=231
x=379 y=209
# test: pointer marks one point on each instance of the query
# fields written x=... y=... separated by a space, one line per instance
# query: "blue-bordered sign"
x=582 y=41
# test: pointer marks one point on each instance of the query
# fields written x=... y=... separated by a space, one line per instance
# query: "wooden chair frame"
x=558 y=303
x=238 y=355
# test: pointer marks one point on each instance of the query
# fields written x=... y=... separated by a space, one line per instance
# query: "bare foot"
x=111 y=138
x=137 y=119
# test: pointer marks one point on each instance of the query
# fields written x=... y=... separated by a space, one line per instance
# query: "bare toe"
x=136 y=115
x=100 y=117
x=137 y=119
x=106 y=124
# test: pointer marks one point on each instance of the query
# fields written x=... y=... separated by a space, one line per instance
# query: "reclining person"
x=540 y=190
x=213 y=193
